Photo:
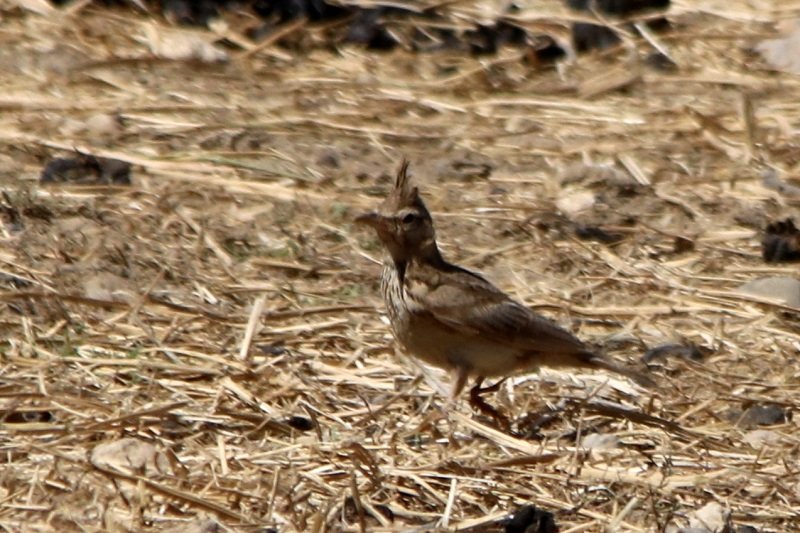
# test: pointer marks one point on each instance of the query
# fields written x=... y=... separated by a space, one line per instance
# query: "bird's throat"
x=428 y=254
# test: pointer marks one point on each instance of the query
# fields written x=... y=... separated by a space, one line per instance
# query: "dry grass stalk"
x=134 y=312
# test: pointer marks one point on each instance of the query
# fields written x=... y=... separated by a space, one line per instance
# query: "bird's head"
x=402 y=221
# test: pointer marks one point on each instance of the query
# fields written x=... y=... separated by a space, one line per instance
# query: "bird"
x=455 y=319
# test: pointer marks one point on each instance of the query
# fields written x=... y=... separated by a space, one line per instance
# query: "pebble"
x=782 y=288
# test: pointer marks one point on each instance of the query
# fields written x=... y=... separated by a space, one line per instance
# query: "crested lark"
x=455 y=319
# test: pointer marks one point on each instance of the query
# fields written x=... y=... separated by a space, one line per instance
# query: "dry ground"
x=221 y=313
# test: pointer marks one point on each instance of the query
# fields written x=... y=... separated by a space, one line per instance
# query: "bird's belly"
x=437 y=346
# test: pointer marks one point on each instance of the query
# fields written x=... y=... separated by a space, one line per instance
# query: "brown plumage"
x=455 y=319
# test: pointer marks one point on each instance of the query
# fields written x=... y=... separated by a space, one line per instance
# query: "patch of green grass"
x=238 y=248
x=339 y=212
x=351 y=291
x=134 y=353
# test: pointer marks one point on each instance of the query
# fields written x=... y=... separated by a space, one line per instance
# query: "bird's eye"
x=409 y=218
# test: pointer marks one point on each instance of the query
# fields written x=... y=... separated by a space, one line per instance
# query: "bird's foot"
x=478 y=403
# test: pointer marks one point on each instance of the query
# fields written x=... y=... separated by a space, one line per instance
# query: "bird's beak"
x=373 y=219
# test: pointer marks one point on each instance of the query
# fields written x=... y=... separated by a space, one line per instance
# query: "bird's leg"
x=480 y=404
x=461 y=375
x=490 y=388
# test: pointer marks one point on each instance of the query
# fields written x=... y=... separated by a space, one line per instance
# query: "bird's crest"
x=402 y=175
x=403 y=185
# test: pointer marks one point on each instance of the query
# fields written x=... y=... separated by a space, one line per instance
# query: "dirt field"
x=205 y=349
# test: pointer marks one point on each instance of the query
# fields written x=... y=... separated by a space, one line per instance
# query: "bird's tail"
x=598 y=361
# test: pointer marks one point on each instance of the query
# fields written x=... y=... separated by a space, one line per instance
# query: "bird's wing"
x=472 y=306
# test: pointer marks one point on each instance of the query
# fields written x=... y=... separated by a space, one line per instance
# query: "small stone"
x=108 y=287
x=762 y=415
x=781 y=288
x=782 y=53
x=573 y=203
x=781 y=242
x=587 y=232
x=300 y=423
x=130 y=455
x=662 y=352
x=329 y=159
x=529 y=519
x=103 y=126
x=86 y=169
x=179 y=45
x=761 y=437
x=600 y=441
x=711 y=516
